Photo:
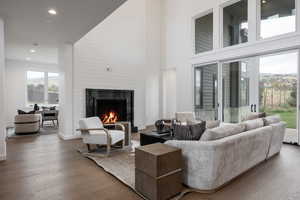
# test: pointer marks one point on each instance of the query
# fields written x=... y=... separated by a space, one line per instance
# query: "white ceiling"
x=28 y=22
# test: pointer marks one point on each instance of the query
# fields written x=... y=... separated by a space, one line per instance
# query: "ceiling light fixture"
x=32 y=50
x=264 y=1
x=52 y=12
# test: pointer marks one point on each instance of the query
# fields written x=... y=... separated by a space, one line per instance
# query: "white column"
x=2 y=107
x=153 y=60
x=65 y=59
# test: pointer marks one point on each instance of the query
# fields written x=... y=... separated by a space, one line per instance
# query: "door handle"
x=254 y=107
x=251 y=107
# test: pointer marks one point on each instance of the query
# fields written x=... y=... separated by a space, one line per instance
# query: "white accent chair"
x=183 y=117
x=93 y=132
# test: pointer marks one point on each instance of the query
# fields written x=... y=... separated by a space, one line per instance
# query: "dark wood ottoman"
x=158 y=171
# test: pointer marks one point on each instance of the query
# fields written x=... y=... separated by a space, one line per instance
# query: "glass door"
x=206 y=92
x=236 y=82
x=278 y=89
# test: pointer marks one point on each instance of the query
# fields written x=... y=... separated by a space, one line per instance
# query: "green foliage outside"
x=288 y=114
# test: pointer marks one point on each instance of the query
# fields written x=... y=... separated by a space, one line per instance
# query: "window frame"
x=46 y=84
x=193 y=29
x=258 y=23
x=221 y=22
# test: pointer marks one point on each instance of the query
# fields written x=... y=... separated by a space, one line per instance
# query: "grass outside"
x=288 y=115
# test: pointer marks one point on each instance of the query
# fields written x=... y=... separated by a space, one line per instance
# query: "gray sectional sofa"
x=211 y=163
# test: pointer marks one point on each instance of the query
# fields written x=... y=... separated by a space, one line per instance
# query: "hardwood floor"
x=47 y=168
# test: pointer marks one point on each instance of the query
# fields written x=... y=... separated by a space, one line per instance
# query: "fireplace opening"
x=112 y=110
x=111 y=105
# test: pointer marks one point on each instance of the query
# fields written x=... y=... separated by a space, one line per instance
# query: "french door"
x=268 y=83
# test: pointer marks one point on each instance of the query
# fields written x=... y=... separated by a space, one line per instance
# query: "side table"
x=158 y=172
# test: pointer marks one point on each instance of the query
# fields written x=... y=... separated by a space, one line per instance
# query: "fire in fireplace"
x=110 y=117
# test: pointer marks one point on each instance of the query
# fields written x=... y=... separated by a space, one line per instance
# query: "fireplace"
x=111 y=105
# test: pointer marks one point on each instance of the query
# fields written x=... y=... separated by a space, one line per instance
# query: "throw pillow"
x=222 y=132
x=21 y=112
x=253 y=124
x=271 y=120
x=189 y=132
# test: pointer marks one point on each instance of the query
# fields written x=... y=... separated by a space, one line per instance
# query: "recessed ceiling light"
x=52 y=12
x=28 y=58
x=264 y=1
x=32 y=50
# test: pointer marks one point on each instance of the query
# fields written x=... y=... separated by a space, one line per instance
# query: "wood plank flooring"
x=47 y=168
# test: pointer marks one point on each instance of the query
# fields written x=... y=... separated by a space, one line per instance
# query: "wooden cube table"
x=158 y=171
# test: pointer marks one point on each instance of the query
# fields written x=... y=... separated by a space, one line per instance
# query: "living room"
x=153 y=65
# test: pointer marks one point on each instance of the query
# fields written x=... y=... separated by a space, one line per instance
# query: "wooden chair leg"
x=108 y=148
x=88 y=147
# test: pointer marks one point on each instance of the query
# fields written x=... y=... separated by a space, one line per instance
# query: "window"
x=235 y=23
x=42 y=88
x=204 y=33
x=277 y=17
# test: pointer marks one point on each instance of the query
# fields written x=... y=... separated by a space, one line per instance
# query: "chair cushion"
x=212 y=124
x=253 y=124
x=222 y=131
x=92 y=122
x=100 y=137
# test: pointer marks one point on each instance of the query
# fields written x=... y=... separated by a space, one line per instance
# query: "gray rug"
x=120 y=164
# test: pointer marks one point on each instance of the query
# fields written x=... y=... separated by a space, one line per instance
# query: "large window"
x=277 y=17
x=42 y=88
x=204 y=33
x=235 y=23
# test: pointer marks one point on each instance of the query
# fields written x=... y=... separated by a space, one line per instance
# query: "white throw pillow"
x=253 y=124
x=271 y=120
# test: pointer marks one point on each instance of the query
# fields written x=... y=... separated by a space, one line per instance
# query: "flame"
x=110 y=118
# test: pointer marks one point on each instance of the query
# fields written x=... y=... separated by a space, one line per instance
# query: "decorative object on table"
x=27 y=123
x=158 y=171
x=36 y=107
x=93 y=132
x=50 y=115
x=159 y=124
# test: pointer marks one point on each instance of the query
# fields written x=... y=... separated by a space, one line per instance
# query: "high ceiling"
x=28 y=22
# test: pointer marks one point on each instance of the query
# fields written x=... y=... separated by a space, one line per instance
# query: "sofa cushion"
x=222 y=131
x=189 y=132
x=271 y=120
x=253 y=124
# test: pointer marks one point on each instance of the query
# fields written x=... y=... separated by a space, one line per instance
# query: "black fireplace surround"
x=103 y=101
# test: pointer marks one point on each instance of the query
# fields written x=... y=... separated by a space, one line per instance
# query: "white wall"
x=123 y=43
x=15 y=90
x=2 y=94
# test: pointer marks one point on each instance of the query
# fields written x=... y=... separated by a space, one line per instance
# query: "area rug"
x=120 y=164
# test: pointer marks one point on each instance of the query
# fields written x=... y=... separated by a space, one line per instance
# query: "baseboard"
x=2 y=158
x=69 y=137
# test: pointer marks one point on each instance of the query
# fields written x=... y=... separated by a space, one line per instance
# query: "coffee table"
x=152 y=137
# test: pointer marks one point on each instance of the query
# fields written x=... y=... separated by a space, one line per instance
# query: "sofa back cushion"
x=252 y=116
x=213 y=124
x=189 y=132
x=271 y=120
x=253 y=124
x=222 y=131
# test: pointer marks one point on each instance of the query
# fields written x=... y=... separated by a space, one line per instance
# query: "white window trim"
x=193 y=24
x=258 y=20
x=46 y=75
